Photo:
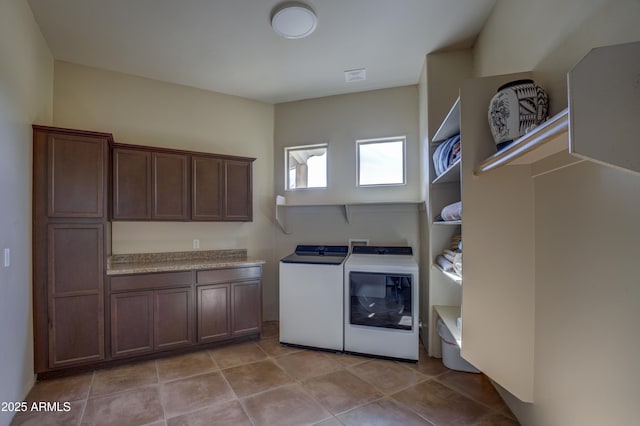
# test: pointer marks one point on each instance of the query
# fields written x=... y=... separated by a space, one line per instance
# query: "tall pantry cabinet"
x=70 y=193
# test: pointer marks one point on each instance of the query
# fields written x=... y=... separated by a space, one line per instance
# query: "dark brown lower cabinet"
x=229 y=303
x=172 y=324
x=246 y=308
x=151 y=312
x=131 y=323
x=214 y=319
x=149 y=321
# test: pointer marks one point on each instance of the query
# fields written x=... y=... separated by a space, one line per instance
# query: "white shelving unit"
x=444 y=287
x=499 y=292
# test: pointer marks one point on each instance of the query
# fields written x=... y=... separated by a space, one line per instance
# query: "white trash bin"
x=451 y=352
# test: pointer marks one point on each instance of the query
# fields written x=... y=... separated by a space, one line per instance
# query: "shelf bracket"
x=280 y=221
x=347 y=212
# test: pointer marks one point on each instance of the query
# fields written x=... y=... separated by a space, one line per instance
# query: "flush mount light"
x=293 y=20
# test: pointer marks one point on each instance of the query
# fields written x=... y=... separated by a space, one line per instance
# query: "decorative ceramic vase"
x=517 y=107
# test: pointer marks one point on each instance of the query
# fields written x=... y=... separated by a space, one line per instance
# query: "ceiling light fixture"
x=293 y=20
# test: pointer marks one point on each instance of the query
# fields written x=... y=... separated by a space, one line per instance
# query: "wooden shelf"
x=281 y=202
x=454 y=278
x=447 y=222
x=449 y=316
x=546 y=148
x=452 y=174
x=451 y=124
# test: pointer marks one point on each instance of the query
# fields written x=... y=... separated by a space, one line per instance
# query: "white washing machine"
x=381 y=302
x=312 y=297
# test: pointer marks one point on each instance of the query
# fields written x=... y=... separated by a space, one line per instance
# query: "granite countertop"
x=137 y=263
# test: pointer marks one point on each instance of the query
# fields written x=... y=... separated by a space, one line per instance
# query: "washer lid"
x=318 y=254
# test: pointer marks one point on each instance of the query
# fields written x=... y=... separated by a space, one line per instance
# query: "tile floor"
x=263 y=383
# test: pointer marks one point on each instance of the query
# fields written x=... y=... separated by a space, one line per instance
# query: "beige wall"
x=147 y=112
x=340 y=121
x=587 y=303
x=26 y=89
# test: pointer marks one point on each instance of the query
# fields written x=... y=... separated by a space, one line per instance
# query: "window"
x=381 y=161
x=306 y=166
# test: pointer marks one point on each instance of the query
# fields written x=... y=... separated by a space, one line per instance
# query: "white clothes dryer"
x=381 y=302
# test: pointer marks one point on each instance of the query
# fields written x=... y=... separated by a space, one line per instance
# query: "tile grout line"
x=86 y=399
x=162 y=404
x=469 y=396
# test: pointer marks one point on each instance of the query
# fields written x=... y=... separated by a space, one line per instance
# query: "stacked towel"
x=444 y=263
x=452 y=212
x=450 y=260
x=456 y=243
x=457 y=264
x=447 y=153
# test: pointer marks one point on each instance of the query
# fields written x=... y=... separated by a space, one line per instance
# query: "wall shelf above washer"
x=345 y=207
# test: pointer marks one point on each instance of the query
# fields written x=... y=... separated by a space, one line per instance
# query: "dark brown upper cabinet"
x=207 y=190
x=171 y=185
x=131 y=184
x=149 y=185
x=76 y=168
x=238 y=193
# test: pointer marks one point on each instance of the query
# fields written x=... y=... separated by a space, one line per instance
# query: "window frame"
x=324 y=145
x=359 y=142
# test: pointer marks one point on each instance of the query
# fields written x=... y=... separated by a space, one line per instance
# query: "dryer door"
x=381 y=300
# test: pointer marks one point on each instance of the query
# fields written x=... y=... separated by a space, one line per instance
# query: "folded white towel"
x=444 y=263
x=452 y=211
x=457 y=263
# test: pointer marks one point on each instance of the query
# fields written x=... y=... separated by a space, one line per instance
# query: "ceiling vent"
x=355 y=75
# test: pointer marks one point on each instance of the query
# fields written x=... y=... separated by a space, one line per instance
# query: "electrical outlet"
x=7 y=257
x=196 y=244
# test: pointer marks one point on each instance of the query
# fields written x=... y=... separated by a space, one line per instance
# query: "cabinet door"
x=77 y=168
x=170 y=186
x=75 y=288
x=246 y=309
x=131 y=184
x=207 y=188
x=238 y=191
x=131 y=323
x=172 y=318
x=214 y=319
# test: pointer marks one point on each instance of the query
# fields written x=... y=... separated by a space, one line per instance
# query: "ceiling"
x=228 y=46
